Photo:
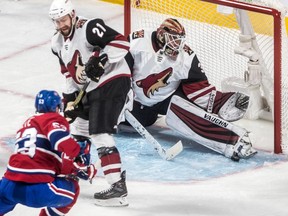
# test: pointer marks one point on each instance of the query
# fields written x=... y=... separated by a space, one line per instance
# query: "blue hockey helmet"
x=47 y=101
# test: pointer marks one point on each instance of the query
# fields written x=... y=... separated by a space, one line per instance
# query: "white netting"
x=213 y=36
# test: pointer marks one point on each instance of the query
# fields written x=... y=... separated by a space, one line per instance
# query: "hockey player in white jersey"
x=168 y=80
x=90 y=48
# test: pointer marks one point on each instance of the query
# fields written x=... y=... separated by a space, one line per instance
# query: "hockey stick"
x=81 y=94
x=165 y=154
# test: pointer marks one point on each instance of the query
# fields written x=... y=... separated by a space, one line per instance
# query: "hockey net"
x=242 y=45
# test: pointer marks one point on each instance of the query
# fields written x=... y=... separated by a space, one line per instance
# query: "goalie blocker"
x=208 y=129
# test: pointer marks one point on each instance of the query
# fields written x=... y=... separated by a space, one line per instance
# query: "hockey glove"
x=84 y=171
x=68 y=98
x=242 y=101
x=94 y=68
x=85 y=146
x=71 y=112
x=235 y=107
x=75 y=170
x=68 y=107
x=67 y=165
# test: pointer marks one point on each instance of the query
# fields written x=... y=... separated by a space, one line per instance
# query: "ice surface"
x=197 y=182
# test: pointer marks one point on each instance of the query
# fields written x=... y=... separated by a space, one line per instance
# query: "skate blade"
x=114 y=202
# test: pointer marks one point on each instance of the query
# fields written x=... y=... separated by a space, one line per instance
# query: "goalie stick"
x=165 y=154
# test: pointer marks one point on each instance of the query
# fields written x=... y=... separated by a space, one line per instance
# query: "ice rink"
x=258 y=187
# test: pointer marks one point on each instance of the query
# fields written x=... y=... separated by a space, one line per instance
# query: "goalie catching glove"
x=235 y=107
x=94 y=68
x=230 y=106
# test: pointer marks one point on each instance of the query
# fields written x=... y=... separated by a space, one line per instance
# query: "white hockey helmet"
x=60 y=8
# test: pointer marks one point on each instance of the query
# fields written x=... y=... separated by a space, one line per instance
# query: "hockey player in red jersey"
x=90 y=51
x=168 y=80
x=42 y=172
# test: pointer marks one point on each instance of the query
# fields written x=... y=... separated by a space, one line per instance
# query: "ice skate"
x=242 y=149
x=115 y=196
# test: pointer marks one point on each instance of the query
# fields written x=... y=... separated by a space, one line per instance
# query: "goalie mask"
x=47 y=101
x=171 y=37
x=58 y=10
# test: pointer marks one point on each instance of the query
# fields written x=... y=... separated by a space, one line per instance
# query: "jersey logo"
x=56 y=125
x=80 y=23
x=153 y=82
x=138 y=34
x=76 y=68
x=188 y=50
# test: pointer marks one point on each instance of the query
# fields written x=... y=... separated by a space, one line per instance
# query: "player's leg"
x=106 y=104
x=7 y=202
x=59 y=196
x=208 y=129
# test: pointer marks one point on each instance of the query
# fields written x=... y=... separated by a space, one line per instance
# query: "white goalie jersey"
x=155 y=76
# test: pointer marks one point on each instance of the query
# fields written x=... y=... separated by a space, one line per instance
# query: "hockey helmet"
x=47 y=101
x=171 y=36
x=60 y=8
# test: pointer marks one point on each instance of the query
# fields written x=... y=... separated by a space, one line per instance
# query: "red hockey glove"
x=85 y=172
x=67 y=165
x=72 y=169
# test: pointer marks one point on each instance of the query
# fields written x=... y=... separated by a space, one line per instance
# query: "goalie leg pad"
x=204 y=128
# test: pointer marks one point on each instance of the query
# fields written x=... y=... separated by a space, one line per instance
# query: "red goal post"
x=264 y=22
